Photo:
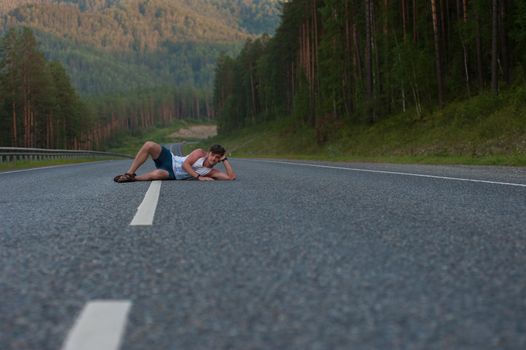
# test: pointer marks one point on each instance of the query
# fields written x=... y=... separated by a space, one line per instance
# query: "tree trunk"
x=443 y=32
x=438 y=54
x=386 y=63
x=494 y=49
x=404 y=18
x=464 y=46
x=479 y=52
x=368 y=60
x=504 y=42
x=377 y=87
x=415 y=32
x=15 y=139
x=253 y=93
x=26 y=116
x=357 y=57
x=315 y=40
x=347 y=88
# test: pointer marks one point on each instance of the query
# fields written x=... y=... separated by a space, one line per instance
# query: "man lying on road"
x=198 y=165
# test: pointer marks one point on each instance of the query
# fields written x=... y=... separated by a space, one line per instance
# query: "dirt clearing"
x=196 y=132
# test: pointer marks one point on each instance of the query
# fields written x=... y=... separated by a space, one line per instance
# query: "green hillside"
x=482 y=130
x=372 y=78
x=40 y=108
x=133 y=25
x=133 y=64
x=113 y=45
x=206 y=19
x=98 y=72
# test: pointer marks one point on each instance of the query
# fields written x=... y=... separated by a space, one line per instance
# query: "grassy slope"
x=483 y=130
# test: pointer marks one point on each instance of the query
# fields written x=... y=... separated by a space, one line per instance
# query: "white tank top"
x=181 y=174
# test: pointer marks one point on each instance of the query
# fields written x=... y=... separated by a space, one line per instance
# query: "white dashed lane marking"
x=146 y=211
x=100 y=326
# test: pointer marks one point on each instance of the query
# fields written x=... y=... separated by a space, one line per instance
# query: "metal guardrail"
x=13 y=154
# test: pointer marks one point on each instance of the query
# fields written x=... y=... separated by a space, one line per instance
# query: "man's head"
x=215 y=154
x=217 y=149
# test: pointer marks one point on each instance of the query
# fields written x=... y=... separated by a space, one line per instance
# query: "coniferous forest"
x=333 y=63
x=76 y=73
x=122 y=45
x=88 y=70
x=40 y=108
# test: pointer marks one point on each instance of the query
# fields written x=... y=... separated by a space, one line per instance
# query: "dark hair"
x=217 y=149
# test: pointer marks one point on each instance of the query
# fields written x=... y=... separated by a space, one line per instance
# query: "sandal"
x=126 y=177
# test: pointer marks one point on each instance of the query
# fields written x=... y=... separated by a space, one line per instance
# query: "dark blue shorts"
x=164 y=162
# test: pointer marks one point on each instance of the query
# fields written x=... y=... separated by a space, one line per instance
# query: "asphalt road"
x=288 y=256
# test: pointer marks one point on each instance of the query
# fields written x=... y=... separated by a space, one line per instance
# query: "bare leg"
x=148 y=149
x=158 y=174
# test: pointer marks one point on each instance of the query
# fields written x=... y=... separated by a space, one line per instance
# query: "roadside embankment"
x=486 y=129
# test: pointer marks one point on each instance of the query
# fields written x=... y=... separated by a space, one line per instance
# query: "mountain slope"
x=140 y=43
x=132 y=25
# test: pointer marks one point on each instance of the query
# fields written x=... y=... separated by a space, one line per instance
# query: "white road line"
x=100 y=326
x=397 y=173
x=146 y=211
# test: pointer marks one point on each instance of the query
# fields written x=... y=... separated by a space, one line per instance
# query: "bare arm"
x=219 y=175
x=229 y=171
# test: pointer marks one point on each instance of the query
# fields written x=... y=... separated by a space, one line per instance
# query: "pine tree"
x=11 y=79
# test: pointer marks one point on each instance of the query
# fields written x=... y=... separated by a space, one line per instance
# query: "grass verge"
x=485 y=130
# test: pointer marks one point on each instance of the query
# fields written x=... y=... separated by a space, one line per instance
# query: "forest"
x=109 y=46
x=77 y=73
x=39 y=106
x=338 y=63
x=96 y=72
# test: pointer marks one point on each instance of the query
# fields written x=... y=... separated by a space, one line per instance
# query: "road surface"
x=292 y=255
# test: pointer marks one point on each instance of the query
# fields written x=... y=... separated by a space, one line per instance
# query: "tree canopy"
x=340 y=62
x=39 y=106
